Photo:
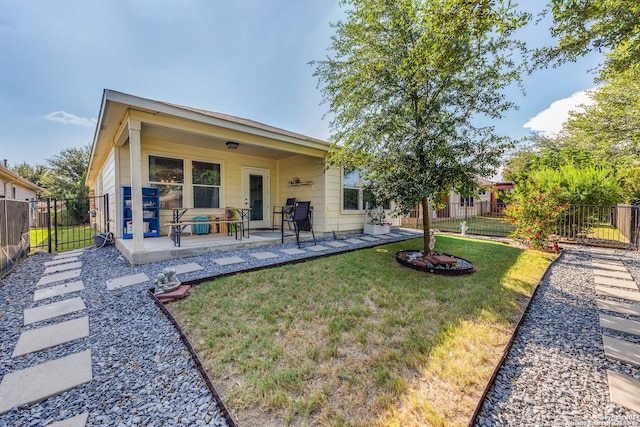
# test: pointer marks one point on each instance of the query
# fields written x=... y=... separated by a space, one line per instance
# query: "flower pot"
x=374 y=229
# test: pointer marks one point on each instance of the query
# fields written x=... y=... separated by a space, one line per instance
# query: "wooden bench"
x=176 y=228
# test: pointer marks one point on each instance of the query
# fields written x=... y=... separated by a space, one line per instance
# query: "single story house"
x=15 y=187
x=207 y=161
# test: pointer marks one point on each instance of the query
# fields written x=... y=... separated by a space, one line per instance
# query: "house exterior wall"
x=306 y=169
x=7 y=189
x=456 y=209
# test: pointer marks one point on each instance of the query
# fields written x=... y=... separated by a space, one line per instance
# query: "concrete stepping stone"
x=611 y=273
x=123 y=282
x=54 y=291
x=187 y=268
x=61 y=261
x=610 y=266
x=317 y=248
x=624 y=351
x=336 y=244
x=51 y=336
x=62 y=267
x=294 y=251
x=354 y=241
x=79 y=420
x=58 y=277
x=229 y=260
x=55 y=309
x=369 y=238
x=619 y=324
x=605 y=258
x=264 y=255
x=602 y=251
x=64 y=255
x=394 y=234
x=618 y=283
x=384 y=236
x=619 y=307
x=47 y=379
x=624 y=390
x=618 y=293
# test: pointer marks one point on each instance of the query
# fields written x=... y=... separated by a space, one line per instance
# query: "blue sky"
x=246 y=58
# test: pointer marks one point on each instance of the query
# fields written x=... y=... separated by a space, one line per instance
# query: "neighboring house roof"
x=10 y=177
x=110 y=127
x=482 y=182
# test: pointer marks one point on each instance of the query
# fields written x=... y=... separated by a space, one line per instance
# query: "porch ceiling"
x=152 y=131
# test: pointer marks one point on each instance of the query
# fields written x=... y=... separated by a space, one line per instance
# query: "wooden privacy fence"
x=14 y=233
x=610 y=226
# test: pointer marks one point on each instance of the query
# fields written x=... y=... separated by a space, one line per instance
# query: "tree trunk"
x=426 y=226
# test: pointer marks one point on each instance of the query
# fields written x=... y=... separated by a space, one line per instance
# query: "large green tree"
x=406 y=84
x=68 y=175
x=582 y=26
x=38 y=174
x=610 y=126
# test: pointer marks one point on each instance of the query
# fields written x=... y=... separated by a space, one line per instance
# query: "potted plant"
x=375 y=222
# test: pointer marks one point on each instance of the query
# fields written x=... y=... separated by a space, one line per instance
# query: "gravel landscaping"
x=555 y=372
x=142 y=373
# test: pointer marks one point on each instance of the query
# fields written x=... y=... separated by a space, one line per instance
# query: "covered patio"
x=163 y=248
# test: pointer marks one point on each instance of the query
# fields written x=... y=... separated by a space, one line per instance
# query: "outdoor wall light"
x=232 y=145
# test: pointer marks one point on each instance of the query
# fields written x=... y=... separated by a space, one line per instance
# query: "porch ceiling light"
x=232 y=145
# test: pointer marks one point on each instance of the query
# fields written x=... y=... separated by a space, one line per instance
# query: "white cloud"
x=550 y=121
x=70 y=119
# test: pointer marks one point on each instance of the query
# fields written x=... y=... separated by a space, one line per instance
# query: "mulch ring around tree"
x=436 y=263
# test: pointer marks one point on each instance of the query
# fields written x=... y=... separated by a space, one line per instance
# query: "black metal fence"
x=66 y=224
x=610 y=226
x=14 y=233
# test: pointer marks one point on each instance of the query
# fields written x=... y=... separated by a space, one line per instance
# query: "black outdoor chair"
x=302 y=220
x=284 y=211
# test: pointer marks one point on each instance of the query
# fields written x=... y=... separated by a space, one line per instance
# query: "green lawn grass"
x=357 y=339
x=69 y=238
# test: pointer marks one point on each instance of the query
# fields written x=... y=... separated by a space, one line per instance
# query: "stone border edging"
x=507 y=347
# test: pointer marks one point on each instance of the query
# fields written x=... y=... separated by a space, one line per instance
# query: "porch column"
x=135 y=160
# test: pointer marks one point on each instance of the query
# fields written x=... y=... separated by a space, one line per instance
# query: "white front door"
x=255 y=190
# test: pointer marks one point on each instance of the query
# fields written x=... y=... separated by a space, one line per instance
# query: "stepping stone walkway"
x=48 y=311
x=264 y=255
x=229 y=260
x=53 y=377
x=54 y=291
x=336 y=244
x=317 y=248
x=62 y=267
x=610 y=275
x=122 y=282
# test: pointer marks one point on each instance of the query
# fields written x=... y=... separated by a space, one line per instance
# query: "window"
x=206 y=184
x=466 y=201
x=351 y=191
x=354 y=196
x=167 y=175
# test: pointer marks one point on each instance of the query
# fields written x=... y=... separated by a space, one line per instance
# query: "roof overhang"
x=9 y=176
x=186 y=125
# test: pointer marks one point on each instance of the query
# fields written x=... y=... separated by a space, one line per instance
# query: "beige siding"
x=231 y=170
x=310 y=171
x=24 y=194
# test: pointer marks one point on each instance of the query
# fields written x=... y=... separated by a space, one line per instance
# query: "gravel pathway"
x=142 y=373
x=555 y=372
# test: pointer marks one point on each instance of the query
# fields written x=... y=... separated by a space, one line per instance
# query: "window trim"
x=193 y=185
